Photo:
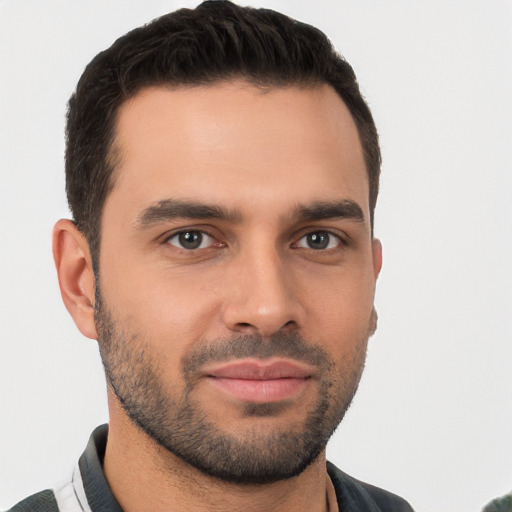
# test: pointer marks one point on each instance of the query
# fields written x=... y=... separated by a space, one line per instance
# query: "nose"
x=262 y=297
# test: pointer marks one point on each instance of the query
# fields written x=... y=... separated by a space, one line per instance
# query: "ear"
x=377 y=265
x=377 y=257
x=76 y=277
x=374 y=318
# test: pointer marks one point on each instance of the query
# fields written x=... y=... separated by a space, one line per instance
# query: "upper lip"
x=258 y=369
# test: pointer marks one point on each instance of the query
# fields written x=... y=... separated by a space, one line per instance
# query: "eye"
x=319 y=240
x=191 y=240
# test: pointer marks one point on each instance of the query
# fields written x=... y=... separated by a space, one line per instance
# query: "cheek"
x=166 y=308
x=342 y=297
x=339 y=312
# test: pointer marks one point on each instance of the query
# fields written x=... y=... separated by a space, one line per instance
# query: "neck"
x=144 y=476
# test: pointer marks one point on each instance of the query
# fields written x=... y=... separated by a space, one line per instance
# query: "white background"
x=433 y=418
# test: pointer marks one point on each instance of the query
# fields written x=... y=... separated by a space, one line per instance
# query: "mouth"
x=259 y=381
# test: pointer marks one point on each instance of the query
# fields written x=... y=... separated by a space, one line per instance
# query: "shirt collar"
x=96 y=488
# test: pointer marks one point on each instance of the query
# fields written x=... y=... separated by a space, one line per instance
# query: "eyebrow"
x=169 y=209
x=320 y=210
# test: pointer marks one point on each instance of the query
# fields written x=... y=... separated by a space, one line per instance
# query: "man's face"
x=237 y=274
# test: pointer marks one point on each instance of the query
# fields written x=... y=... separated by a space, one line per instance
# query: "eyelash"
x=331 y=237
x=340 y=240
x=184 y=232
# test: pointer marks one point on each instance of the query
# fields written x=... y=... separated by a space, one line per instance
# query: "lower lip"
x=261 y=391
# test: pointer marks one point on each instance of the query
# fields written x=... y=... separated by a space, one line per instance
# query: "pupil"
x=191 y=239
x=318 y=240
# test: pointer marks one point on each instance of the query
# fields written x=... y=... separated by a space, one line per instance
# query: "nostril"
x=290 y=325
x=248 y=327
x=245 y=327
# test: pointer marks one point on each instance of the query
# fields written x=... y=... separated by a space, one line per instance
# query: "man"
x=222 y=170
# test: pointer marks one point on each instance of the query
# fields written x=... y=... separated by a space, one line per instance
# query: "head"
x=222 y=170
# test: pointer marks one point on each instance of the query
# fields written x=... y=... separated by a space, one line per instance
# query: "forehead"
x=234 y=142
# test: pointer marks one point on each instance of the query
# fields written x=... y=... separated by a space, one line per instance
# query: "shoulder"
x=354 y=495
x=43 y=501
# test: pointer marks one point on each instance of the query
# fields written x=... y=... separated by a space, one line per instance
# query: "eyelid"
x=341 y=236
x=164 y=239
x=207 y=230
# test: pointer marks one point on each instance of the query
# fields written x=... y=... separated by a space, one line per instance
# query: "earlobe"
x=76 y=277
x=373 y=321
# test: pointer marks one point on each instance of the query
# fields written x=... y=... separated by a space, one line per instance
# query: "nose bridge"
x=263 y=299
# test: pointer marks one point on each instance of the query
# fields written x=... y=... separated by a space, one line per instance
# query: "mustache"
x=282 y=344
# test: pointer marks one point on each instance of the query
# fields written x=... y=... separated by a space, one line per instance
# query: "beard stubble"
x=181 y=426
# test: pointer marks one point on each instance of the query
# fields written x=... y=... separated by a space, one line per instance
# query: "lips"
x=260 y=381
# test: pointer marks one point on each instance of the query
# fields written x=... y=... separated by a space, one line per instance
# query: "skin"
x=259 y=154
